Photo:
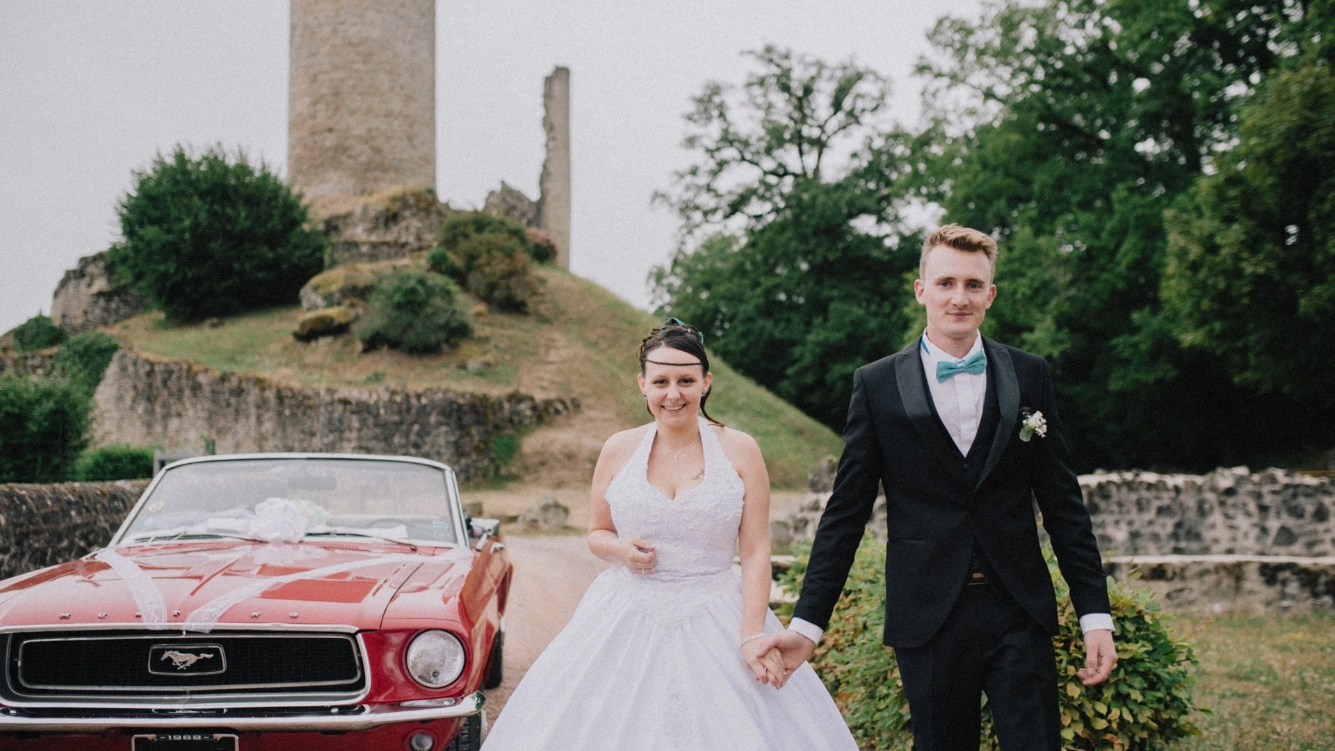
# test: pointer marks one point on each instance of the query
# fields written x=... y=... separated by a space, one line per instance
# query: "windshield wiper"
x=346 y=531
x=171 y=536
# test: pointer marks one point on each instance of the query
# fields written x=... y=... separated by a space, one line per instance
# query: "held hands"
x=639 y=556
x=766 y=663
x=1100 y=657
x=792 y=649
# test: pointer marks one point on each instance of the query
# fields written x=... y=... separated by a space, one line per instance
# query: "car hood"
x=207 y=584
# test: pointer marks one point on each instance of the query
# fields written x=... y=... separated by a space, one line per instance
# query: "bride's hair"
x=674 y=334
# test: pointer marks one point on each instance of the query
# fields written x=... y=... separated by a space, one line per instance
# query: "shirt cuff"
x=807 y=629
x=1093 y=622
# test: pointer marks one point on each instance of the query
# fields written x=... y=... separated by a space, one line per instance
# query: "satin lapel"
x=1002 y=369
x=912 y=382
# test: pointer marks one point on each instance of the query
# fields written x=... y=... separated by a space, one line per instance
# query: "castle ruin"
x=554 y=200
x=362 y=96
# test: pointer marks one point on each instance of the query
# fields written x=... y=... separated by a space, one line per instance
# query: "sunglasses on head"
x=678 y=323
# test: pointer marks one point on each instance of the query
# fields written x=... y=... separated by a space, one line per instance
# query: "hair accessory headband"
x=683 y=364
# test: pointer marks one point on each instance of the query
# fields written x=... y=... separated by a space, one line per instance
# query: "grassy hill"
x=580 y=340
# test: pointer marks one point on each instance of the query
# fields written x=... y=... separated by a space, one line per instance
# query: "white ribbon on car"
x=204 y=618
x=147 y=597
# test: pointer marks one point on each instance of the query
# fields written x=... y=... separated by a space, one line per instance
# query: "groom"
x=963 y=433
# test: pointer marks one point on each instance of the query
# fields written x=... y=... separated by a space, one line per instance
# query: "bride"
x=663 y=650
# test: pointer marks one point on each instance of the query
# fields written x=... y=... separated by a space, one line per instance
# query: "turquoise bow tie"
x=973 y=364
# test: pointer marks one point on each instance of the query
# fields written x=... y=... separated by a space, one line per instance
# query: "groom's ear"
x=918 y=288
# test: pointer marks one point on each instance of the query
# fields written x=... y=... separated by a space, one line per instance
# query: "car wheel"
x=470 y=734
x=495 y=668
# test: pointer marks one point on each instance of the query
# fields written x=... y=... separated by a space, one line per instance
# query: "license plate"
x=184 y=742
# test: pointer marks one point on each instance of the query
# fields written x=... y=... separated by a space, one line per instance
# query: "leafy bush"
x=461 y=228
x=214 y=236
x=414 y=311
x=1144 y=705
x=36 y=333
x=115 y=462
x=42 y=427
x=440 y=262
x=489 y=256
x=84 y=358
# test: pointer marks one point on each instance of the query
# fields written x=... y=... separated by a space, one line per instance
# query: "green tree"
x=1251 y=266
x=793 y=252
x=214 y=235
x=43 y=424
x=1077 y=124
x=801 y=302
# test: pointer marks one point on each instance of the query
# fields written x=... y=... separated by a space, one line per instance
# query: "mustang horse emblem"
x=183 y=660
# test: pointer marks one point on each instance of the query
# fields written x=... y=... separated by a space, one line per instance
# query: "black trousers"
x=987 y=645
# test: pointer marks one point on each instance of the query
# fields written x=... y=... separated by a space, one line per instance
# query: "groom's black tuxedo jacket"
x=941 y=504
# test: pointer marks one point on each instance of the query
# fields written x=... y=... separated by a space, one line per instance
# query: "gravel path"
x=551 y=574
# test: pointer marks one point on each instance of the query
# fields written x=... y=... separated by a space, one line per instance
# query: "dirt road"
x=551 y=574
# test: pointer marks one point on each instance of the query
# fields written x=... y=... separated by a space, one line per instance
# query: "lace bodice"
x=695 y=534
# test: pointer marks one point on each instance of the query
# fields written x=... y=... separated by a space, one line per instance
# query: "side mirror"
x=484 y=528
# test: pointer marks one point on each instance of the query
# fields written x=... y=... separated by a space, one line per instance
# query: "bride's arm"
x=636 y=554
x=754 y=551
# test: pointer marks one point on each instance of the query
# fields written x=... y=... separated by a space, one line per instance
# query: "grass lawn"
x=1269 y=681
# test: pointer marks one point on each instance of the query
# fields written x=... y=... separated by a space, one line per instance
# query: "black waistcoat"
x=970 y=466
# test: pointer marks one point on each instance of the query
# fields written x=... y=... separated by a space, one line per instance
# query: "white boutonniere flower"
x=1032 y=424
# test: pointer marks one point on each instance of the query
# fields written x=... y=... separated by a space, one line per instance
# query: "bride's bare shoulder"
x=739 y=446
x=621 y=445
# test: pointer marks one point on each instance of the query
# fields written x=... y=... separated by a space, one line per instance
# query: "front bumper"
x=332 y=719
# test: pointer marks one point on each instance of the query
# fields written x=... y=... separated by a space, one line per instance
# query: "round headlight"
x=435 y=658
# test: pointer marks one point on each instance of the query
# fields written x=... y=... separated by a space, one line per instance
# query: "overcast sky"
x=90 y=91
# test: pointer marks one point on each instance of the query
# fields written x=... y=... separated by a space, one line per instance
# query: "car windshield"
x=290 y=499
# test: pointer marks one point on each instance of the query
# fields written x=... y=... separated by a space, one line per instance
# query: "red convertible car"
x=268 y=601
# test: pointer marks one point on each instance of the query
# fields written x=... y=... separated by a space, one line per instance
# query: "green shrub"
x=440 y=262
x=489 y=256
x=414 y=311
x=85 y=357
x=214 y=236
x=1144 y=705
x=43 y=423
x=115 y=462
x=36 y=333
x=464 y=226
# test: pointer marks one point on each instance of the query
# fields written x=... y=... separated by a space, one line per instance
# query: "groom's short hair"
x=959 y=238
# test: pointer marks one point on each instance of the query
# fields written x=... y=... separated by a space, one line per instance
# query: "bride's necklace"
x=677 y=455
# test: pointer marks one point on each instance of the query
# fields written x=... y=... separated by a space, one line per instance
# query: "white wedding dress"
x=653 y=661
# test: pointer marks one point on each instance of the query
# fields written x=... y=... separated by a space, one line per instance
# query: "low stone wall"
x=1232 y=540
x=1227 y=512
x=1210 y=584
x=178 y=405
x=41 y=525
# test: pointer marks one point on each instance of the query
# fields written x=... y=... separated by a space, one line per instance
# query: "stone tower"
x=554 y=185
x=362 y=95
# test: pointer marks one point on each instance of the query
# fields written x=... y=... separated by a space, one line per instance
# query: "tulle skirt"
x=653 y=663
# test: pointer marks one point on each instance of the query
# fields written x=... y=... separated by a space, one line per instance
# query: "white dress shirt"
x=959 y=404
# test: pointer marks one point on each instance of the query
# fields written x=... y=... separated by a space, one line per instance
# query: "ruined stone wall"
x=393 y=227
x=362 y=95
x=554 y=184
x=86 y=298
x=42 y=525
x=177 y=405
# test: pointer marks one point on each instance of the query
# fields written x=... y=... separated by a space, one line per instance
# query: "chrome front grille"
x=107 y=666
